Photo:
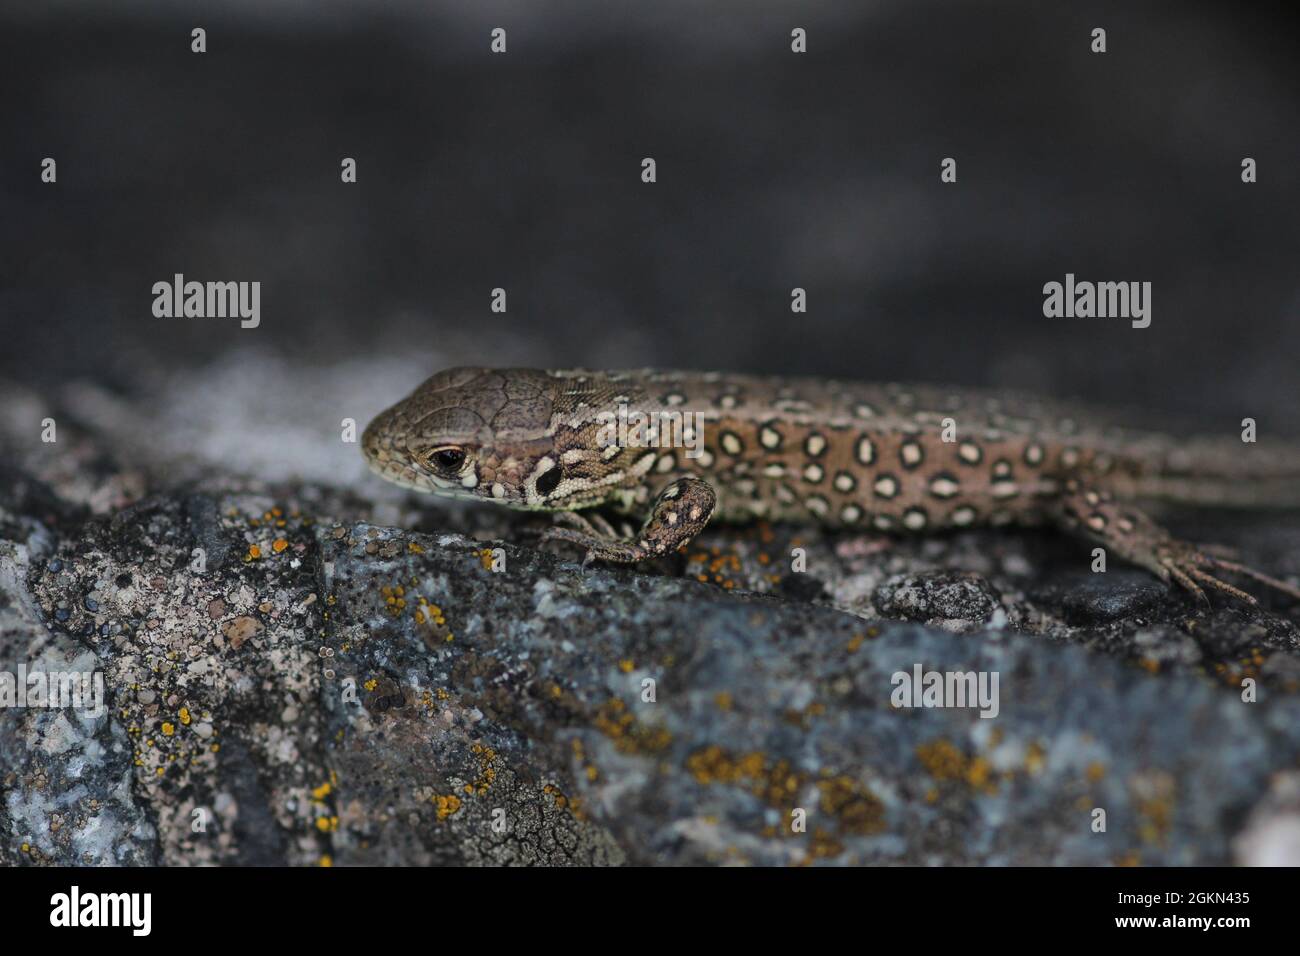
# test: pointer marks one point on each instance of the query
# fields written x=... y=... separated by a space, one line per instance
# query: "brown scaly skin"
x=835 y=453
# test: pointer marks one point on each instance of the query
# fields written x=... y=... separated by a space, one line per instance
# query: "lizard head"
x=487 y=434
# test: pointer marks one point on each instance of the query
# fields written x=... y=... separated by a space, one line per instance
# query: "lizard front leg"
x=679 y=513
x=592 y=523
x=1095 y=515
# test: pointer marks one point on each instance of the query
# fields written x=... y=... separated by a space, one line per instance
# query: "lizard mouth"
x=398 y=474
x=406 y=475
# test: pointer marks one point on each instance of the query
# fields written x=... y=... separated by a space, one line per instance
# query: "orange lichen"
x=943 y=761
x=1154 y=801
x=774 y=782
x=447 y=805
x=858 y=810
x=1035 y=757
x=630 y=736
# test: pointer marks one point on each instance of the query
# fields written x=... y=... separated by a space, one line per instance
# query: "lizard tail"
x=1228 y=473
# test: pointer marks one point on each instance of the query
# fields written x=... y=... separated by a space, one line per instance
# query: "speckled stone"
x=396 y=700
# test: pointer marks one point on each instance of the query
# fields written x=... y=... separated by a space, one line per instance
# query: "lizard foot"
x=1191 y=569
x=1096 y=515
x=679 y=513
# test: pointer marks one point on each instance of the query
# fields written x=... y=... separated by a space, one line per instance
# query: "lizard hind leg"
x=1132 y=535
x=680 y=512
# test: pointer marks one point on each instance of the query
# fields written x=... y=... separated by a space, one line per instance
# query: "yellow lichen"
x=1035 y=757
x=630 y=736
x=979 y=774
x=858 y=810
x=774 y=782
x=942 y=760
x=447 y=805
x=1153 y=797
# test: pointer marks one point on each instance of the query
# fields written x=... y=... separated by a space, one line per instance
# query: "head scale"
x=488 y=434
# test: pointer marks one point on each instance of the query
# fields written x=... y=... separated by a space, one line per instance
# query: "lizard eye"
x=448 y=459
x=548 y=481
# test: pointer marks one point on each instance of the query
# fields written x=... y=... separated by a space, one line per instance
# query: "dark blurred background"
x=775 y=170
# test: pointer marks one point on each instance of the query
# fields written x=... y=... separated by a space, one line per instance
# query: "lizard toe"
x=1222 y=586
x=1234 y=567
x=1184 y=580
x=1196 y=570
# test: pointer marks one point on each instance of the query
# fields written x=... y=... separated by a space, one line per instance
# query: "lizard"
x=883 y=457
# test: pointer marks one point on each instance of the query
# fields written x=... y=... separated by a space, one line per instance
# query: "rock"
x=85 y=780
x=1092 y=599
x=1272 y=835
x=954 y=601
x=404 y=703
x=241 y=629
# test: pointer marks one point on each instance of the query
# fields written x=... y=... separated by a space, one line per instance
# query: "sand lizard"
x=891 y=458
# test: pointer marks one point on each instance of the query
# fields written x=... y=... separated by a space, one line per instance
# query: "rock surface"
x=297 y=674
